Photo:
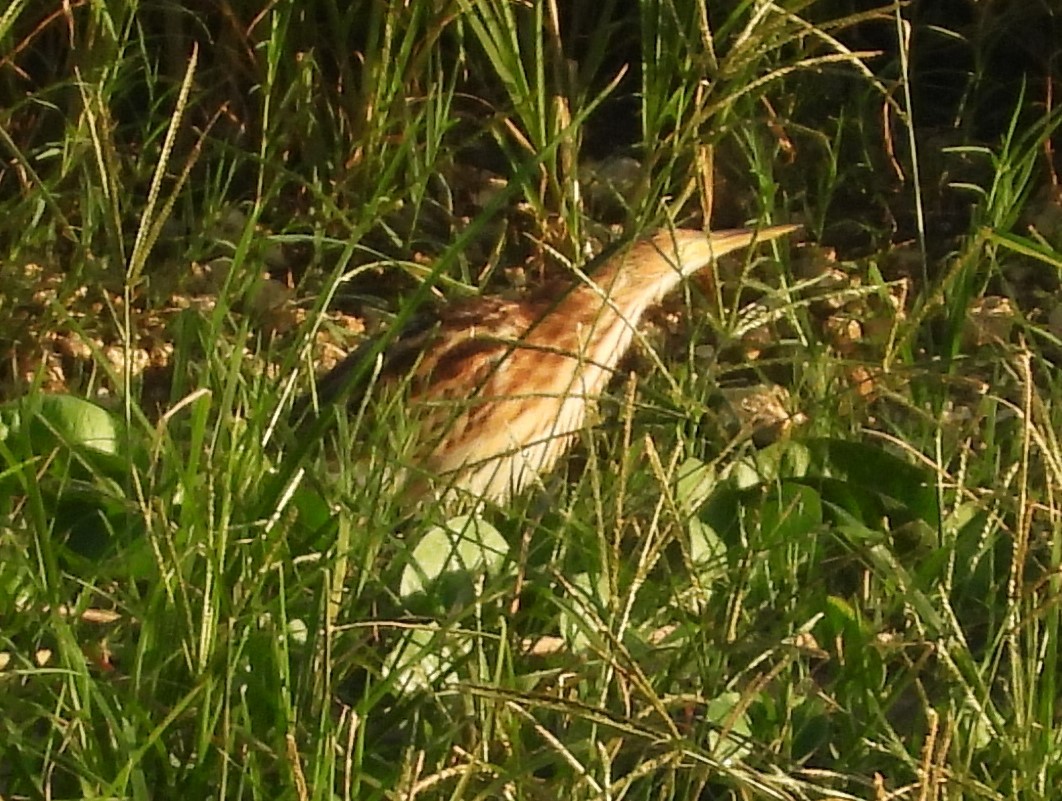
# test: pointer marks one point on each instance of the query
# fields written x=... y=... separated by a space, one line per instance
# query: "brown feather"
x=498 y=388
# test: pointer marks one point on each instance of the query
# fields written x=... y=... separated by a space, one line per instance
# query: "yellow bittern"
x=497 y=389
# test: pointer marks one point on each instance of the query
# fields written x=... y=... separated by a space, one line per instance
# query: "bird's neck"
x=597 y=319
x=641 y=275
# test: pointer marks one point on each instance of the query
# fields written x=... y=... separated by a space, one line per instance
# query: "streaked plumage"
x=498 y=388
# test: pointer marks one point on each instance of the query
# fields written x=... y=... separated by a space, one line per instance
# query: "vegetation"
x=853 y=597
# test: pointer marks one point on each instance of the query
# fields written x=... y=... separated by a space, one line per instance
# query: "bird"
x=497 y=389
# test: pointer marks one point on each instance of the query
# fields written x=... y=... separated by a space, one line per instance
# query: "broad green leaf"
x=866 y=468
x=744 y=473
x=696 y=480
x=78 y=431
x=731 y=737
x=426 y=656
x=73 y=421
x=464 y=545
x=790 y=512
x=707 y=550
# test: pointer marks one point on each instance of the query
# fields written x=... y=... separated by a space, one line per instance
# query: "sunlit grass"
x=213 y=605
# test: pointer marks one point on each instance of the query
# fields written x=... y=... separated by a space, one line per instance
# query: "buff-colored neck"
x=643 y=274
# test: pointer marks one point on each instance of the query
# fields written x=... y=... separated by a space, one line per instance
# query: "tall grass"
x=196 y=601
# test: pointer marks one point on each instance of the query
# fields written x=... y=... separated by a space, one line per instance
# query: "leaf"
x=731 y=738
x=782 y=459
x=868 y=470
x=744 y=473
x=426 y=656
x=464 y=546
x=314 y=512
x=73 y=421
x=885 y=564
x=790 y=512
x=81 y=433
x=724 y=513
x=696 y=480
x=707 y=550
